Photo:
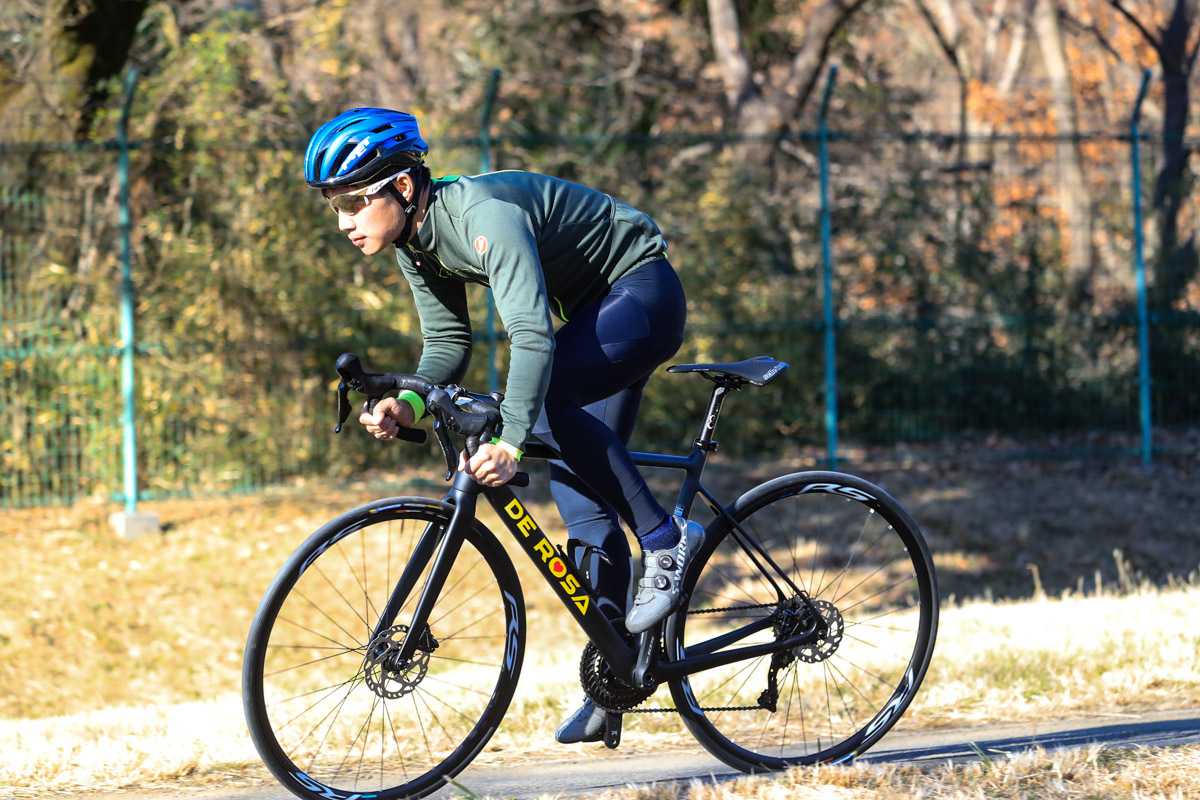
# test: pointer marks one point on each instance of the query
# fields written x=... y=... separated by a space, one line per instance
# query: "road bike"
x=385 y=653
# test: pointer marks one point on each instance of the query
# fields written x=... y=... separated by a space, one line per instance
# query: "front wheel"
x=813 y=544
x=331 y=708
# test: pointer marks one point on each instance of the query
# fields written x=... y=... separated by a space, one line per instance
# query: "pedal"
x=612 y=730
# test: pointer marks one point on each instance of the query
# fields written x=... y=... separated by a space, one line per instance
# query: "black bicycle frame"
x=564 y=579
x=620 y=652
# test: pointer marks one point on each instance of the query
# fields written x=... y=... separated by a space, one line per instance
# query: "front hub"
x=385 y=673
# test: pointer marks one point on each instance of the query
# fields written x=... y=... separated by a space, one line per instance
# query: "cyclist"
x=545 y=247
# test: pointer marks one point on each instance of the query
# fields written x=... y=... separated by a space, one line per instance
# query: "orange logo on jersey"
x=480 y=245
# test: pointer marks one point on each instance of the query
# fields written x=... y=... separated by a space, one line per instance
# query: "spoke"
x=458 y=686
x=734 y=603
x=888 y=588
x=353 y=574
x=879 y=679
x=368 y=606
x=450 y=706
x=387 y=575
x=336 y=711
x=793 y=551
x=350 y=747
x=464 y=661
x=833 y=667
x=750 y=670
x=812 y=573
x=732 y=582
x=893 y=610
x=396 y=741
x=306 y=629
x=882 y=566
x=332 y=690
x=382 y=738
x=323 y=613
x=424 y=695
x=703 y=697
x=482 y=637
x=446 y=592
x=850 y=559
x=788 y=715
x=306 y=663
x=340 y=648
x=903 y=659
x=455 y=636
x=421 y=724
x=750 y=665
x=770 y=588
x=828 y=705
x=841 y=697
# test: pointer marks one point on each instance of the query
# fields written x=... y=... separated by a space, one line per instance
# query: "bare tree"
x=1173 y=43
x=762 y=112
x=1073 y=193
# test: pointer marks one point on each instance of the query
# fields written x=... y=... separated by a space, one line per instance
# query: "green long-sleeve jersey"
x=545 y=246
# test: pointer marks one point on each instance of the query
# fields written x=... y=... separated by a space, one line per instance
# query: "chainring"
x=603 y=687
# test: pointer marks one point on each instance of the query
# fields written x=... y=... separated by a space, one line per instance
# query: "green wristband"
x=508 y=448
x=414 y=400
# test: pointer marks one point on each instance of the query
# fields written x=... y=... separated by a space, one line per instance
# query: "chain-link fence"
x=960 y=303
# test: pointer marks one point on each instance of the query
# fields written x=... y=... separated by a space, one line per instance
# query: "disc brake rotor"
x=385 y=674
x=828 y=643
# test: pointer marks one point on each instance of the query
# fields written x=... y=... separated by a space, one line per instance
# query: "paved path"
x=604 y=769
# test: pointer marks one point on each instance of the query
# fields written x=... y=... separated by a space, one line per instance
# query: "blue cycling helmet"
x=360 y=145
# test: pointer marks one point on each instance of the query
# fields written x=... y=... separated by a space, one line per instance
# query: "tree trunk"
x=1176 y=265
x=91 y=46
x=762 y=113
x=1072 y=191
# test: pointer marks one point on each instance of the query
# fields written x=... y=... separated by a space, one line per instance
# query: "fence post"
x=485 y=166
x=130 y=524
x=1140 y=271
x=831 y=409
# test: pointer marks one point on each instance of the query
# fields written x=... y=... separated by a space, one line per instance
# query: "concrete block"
x=135 y=525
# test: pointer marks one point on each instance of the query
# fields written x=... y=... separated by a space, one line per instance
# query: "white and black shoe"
x=662 y=575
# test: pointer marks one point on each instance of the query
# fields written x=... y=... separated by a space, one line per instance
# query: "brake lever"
x=344 y=407
x=439 y=429
x=343 y=404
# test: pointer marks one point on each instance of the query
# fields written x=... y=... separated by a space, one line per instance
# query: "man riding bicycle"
x=546 y=247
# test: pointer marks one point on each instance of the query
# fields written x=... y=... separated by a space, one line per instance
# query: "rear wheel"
x=330 y=707
x=858 y=559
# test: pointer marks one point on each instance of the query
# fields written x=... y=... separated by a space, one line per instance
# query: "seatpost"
x=706 y=441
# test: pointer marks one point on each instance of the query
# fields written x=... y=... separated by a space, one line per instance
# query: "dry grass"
x=120 y=661
x=1079 y=774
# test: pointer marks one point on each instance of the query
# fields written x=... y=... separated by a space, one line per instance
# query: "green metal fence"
x=945 y=304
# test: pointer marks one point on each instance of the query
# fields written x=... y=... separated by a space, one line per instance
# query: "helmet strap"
x=410 y=206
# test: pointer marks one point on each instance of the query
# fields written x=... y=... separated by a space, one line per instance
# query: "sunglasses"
x=350 y=203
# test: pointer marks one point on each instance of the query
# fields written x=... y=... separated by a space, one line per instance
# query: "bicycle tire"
x=330 y=723
x=862 y=560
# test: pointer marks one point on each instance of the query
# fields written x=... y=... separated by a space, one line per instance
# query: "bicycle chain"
x=591 y=669
x=731 y=608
